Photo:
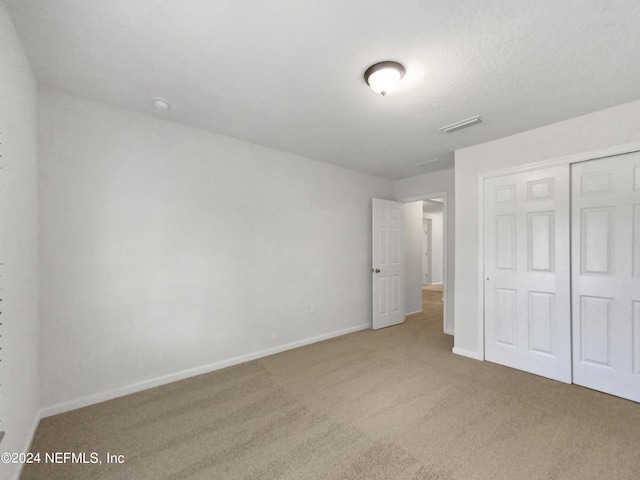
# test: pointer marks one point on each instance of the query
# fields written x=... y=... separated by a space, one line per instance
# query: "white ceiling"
x=288 y=73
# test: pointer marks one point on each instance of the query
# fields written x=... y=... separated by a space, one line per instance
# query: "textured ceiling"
x=288 y=73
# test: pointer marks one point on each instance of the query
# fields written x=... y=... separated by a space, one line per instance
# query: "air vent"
x=427 y=161
x=461 y=124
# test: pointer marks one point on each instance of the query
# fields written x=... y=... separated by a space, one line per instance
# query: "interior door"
x=388 y=263
x=606 y=274
x=527 y=272
x=427 y=265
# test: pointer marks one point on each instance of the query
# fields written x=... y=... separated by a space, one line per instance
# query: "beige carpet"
x=390 y=404
x=433 y=288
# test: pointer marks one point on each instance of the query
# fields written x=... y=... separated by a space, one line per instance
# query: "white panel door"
x=606 y=275
x=427 y=262
x=527 y=272
x=388 y=263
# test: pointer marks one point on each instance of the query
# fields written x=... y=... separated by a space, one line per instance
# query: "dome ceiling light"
x=383 y=77
x=160 y=104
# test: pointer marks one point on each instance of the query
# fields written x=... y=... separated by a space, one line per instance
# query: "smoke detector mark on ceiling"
x=468 y=122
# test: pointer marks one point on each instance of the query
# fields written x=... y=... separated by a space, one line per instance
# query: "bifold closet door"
x=527 y=272
x=606 y=274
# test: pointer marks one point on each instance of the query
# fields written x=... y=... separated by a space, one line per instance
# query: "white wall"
x=604 y=129
x=432 y=185
x=155 y=265
x=413 y=256
x=18 y=247
x=437 y=252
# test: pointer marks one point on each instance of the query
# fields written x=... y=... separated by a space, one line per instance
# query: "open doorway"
x=425 y=253
x=433 y=244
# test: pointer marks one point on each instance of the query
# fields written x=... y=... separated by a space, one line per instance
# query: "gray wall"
x=19 y=372
x=413 y=254
x=168 y=251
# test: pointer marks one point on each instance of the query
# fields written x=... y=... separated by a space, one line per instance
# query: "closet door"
x=527 y=272
x=606 y=274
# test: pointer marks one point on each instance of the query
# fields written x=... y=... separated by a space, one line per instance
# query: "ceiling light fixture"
x=461 y=124
x=383 y=77
x=160 y=104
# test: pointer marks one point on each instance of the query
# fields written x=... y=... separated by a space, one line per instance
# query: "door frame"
x=581 y=157
x=428 y=250
x=447 y=323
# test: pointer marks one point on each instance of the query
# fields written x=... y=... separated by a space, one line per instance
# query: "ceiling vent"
x=461 y=124
x=427 y=161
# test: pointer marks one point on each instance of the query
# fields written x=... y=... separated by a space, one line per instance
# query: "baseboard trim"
x=192 y=372
x=27 y=447
x=418 y=312
x=467 y=353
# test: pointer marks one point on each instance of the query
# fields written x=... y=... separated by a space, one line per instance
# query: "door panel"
x=606 y=274
x=542 y=313
x=527 y=276
x=596 y=235
x=388 y=263
x=505 y=242
x=506 y=316
x=595 y=324
x=540 y=242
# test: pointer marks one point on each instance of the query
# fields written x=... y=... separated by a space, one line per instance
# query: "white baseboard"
x=27 y=447
x=467 y=353
x=412 y=313
x=192 y=372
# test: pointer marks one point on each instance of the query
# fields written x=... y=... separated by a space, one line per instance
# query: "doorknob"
x=375 y=270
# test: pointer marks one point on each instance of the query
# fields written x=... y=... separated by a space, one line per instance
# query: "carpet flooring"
x=389 y=404
x=433 y=288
